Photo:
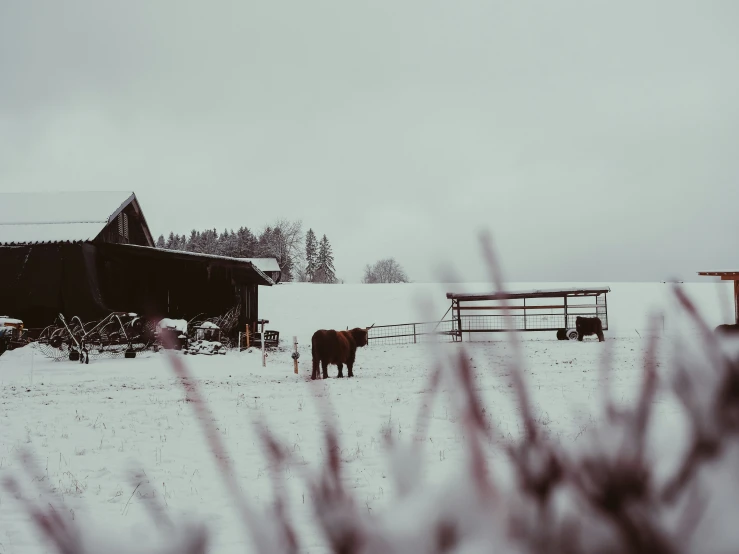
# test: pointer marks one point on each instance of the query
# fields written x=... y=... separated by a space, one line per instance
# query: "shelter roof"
x=726 y=274
x=533 y=293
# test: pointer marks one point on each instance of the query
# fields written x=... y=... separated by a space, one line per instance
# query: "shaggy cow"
x=336 y=347
x=589 y=326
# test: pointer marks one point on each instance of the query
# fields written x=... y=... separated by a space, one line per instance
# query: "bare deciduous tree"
x=387 y=270
x=283 y=240
x=292 y=233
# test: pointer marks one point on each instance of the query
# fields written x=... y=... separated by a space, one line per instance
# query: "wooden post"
x=247 y=336
x=736 y=301
x=264 y=357
x=414 y=333
x=295 y=360
x=459 y=319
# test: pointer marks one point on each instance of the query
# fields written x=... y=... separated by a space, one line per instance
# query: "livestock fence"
x=531 y=310
x=413 y=333
x=529 y=318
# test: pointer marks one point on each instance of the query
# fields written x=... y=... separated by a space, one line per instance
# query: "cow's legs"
x=349 y=367
x=341 y=369
x=324 y=365
x=601 y=338
x=314 y=375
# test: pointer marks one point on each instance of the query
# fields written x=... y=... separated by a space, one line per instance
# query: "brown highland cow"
x=336 y=347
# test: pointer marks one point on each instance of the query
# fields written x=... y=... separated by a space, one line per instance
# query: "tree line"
x=282 y=240
x=301 y=257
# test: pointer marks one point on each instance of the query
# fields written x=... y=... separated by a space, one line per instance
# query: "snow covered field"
x=300 y=309
x=90 y=425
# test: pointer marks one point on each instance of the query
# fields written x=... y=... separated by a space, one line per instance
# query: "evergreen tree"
x=246 y=243
x=265 y=244
x=326 y=272
x=160 y=241
x=208 y=242
x=227 y=244
x=170 y=241
x=311 y=255
x=192 y=241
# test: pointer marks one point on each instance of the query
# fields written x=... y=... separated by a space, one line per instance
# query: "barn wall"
x=250 y=312
x=165 y=286
x=41 y=281
x=90 y=281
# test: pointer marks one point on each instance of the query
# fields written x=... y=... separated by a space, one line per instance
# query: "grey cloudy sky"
x=598 y=141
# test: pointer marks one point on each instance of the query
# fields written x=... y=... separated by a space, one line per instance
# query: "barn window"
x=123 y=225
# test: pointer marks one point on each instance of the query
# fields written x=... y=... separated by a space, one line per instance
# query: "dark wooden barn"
x=91 y=253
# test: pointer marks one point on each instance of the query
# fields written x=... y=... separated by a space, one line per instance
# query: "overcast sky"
x=598 y=141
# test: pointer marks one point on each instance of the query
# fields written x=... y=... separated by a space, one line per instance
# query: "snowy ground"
x=89 y=425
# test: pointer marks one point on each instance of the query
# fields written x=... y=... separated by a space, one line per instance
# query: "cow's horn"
x=370 y=327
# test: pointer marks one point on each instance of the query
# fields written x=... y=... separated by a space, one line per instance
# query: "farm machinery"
x=11 y=333
x=121 y=334
x=118 y=334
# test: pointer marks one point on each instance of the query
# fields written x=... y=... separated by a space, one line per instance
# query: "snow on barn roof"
x=265 y=264
x=37 y=217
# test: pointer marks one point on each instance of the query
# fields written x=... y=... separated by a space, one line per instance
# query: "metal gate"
x=413 y=333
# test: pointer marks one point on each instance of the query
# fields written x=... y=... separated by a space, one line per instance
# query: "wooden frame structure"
x=533 y=310
x=727 y=276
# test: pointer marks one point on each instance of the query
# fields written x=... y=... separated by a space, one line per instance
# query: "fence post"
x=295 y=344
x=264 y=357
x=414 y=333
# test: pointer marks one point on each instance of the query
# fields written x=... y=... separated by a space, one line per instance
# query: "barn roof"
x=42 y=217
x=147 y=251
x=265 y=264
